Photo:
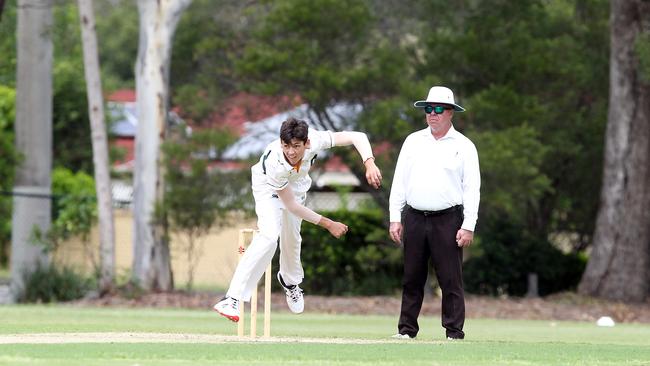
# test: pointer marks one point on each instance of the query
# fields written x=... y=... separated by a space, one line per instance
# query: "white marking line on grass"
x=63 y=338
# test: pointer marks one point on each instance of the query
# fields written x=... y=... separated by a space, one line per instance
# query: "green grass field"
x=307 y=339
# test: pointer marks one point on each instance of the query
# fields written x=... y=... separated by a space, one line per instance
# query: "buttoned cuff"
x=469 y=224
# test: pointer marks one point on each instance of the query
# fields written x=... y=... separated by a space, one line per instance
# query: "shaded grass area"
x=235 y=354
x=484 y=353
x=489 y=342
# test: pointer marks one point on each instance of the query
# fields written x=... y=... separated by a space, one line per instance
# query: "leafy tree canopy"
x=325 y=51
x=543 y=65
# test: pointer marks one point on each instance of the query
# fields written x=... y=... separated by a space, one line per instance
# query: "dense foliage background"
x=533 y=76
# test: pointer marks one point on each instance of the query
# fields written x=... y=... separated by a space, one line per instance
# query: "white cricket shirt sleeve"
x=397 y=199
x=471 y=185
x=320 y=140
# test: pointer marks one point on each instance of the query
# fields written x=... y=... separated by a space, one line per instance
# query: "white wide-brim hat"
x=442 y=95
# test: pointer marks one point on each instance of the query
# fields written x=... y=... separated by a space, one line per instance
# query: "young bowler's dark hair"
x=294 y=128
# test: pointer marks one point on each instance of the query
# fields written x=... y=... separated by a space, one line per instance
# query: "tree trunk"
x=618 y=265
x=33 y=126
x=151 y=257
x=100 y=146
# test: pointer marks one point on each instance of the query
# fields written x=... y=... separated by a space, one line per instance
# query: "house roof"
x=241 y=108
x=124 y=117
x=260 y=133
x=257 y=120
x=122 y=96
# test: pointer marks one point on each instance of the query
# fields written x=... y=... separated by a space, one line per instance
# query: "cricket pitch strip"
x=128 y=337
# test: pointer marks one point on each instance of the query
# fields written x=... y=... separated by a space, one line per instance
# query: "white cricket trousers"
x=273 y=222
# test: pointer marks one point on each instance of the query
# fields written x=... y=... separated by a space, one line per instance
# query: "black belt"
x=436 y=213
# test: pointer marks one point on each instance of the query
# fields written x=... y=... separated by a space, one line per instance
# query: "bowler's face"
x=294 y=151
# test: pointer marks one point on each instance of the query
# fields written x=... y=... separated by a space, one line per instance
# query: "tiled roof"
x=257 y=119
x=260 y=133
x=122 y=96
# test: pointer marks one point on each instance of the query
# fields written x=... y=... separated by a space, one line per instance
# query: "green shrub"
x=74 y=213
x=9 y=159
x=505 y=258
x=363 y=262
x=49 y=283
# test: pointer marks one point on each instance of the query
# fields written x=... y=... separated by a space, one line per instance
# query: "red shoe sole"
x=232 y=318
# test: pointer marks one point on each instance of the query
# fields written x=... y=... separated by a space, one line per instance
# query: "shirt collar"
x=452 y=133
x=286 y=165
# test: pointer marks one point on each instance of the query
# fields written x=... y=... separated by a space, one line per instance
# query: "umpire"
x=433 y=209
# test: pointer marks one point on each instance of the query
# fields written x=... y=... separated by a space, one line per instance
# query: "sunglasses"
x=438 y=109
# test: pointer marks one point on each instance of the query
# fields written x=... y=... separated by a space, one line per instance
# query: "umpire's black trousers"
x=432 y=235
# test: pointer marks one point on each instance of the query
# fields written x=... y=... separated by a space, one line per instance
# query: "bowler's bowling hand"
x=335 y=228
x=373 y=174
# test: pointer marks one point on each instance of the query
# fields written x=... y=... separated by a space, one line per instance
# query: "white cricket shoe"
x=228 y=307
x=295 y=300
x=401 y=336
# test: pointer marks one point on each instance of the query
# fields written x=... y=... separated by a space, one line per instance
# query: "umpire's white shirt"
x=433 y=175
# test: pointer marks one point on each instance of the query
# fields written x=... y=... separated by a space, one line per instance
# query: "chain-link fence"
x=330 y=201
